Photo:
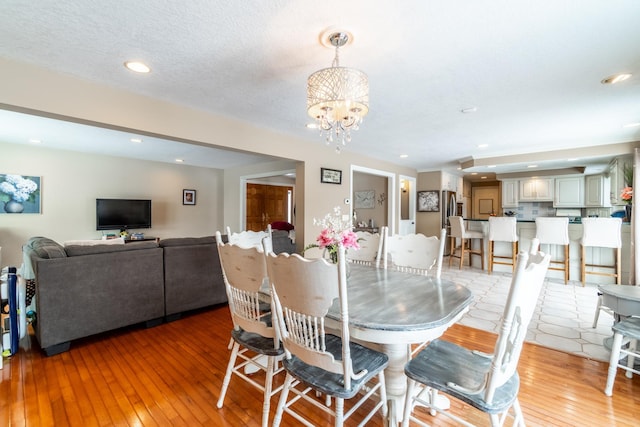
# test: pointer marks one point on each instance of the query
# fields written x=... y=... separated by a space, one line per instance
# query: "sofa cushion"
x=78 y=250
x=44 y=247
x=187 y=241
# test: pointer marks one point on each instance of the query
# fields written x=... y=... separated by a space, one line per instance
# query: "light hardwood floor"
x=170 y=375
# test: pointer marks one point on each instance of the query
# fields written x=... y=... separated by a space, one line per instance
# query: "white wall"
x=30 y=89
x=72 y=181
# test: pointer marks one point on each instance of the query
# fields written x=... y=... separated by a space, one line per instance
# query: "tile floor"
x=562 y=319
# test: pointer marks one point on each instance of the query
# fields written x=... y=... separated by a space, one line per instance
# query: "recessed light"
x=137 y=66
x=616 y=78
x=404 y=156
x=532 y=166
x=474 y=173
x=468 y=110
x=483 y=177
x=491 y=166
x=180 y=160
x=136 y=140
x=483 y=145
x=311 y=126
x=572 y=159
x=631 y=125
x=35 y=141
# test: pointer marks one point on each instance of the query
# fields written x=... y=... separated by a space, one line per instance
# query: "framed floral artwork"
x=188 y=197
x=428 y=201
x=19 y=194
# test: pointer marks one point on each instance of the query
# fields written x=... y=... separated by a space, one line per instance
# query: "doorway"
x=484 y=202
x=266 y=204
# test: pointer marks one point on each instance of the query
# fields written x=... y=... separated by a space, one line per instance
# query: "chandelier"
x=338 y=97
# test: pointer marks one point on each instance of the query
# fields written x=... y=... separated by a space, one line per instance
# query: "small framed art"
x=428 y=201
x=188 y=197
x=330 y=176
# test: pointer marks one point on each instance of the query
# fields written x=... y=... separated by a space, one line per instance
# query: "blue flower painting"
x=19 y=194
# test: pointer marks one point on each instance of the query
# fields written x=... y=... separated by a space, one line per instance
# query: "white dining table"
x=393 y=310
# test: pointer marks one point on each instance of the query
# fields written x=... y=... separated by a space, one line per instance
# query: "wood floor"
x=170 y=375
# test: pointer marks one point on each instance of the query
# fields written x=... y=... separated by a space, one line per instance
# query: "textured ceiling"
x=532 y=69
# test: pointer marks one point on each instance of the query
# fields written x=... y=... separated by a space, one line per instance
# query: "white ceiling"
x=532 y=70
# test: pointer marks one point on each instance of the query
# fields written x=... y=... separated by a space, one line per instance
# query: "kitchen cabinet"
x=569 y=192
x=536 y=190
x=510 y=193
x=616 y=175
x=597 y=191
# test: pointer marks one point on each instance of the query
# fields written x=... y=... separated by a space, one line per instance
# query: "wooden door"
x=266 y=204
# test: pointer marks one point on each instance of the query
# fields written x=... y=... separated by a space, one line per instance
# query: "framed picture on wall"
x=188 y=197
x=19 y=194
x=364 y=199
x=429 y=201
x=330 y=176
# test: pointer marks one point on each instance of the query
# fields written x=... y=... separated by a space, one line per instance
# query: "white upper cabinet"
x=597 y=191
x=536 y=190
x=569 y=192
x=510 y=193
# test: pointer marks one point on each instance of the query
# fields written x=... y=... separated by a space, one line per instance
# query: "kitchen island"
x=526 y=230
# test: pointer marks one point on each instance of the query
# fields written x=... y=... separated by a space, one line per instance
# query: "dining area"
x=385 y=303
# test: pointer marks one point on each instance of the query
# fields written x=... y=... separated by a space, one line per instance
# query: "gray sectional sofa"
x=86 y=290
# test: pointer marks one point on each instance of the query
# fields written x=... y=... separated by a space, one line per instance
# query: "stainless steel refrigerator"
x=449 y=208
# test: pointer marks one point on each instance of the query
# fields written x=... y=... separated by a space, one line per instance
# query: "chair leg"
x=514 y=255
x=566 y=264
x=268 y=386
x=517 y=413
x=613 y=363
x=482 y=254
x=630 y=358
x=490 y=258
x=452 y=245
x=618 y=266
x=408 y=402
x=583 y=268
x=462 y=251
x=283 y=400
x=227 y=376
x=597 y=315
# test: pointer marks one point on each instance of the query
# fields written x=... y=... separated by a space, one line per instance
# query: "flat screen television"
x=122 y=214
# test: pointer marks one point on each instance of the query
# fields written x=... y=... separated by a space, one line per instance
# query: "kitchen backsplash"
x=531 y=210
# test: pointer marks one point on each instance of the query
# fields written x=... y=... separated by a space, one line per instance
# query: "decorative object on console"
x=428 y=201
x=20 y=194
x=337 y=97
x=188 y=197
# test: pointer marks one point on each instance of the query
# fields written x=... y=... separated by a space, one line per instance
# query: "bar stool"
x=627 y=330
x=555 y=231
x=602 y=233
x=458 y=231
x=502 y=229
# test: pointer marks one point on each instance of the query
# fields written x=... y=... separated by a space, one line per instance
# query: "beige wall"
x=72 y=181
x=363 y=182
x=428 y=223
x=30 y=89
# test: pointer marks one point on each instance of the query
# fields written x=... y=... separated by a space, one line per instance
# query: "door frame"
x=407 y=226
x=255 y=179
x=391 y=191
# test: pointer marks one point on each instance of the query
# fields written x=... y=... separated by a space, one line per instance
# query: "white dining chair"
x=413 y=253
x=502 y=229
x=370 y=244
x=555 y=231
x=623 y=355
x=255 y=340
x=459 y=231
x=488 y=382
x=248 y=238
x=602 y=233
x=317 y=361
